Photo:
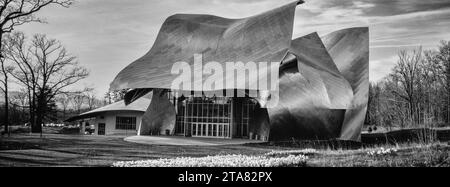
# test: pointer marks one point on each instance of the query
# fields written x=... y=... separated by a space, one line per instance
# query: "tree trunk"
x=448 y=99
x=448 y=87
x=30 y=109
x=64 y=113
x=6 y=106
x=40 y=111
x=36 y=127
x=6 y=95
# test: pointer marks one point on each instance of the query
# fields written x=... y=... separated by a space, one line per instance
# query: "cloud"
x=394 y=25
x=379 y=69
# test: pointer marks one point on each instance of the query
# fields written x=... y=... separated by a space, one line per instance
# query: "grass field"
x=76 y=150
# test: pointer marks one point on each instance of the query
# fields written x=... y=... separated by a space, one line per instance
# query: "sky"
x=107 y=35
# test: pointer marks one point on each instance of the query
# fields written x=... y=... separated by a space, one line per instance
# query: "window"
x=101 y=129
x=220 y=130
x=126 y=123
x=210 y=130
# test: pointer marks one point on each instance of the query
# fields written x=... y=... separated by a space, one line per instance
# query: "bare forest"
x=415 y=93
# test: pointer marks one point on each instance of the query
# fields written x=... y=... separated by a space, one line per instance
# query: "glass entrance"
x=203 y=116
x=214 y=117
x=211 y=130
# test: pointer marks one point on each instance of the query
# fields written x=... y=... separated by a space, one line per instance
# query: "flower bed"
x=306 y=152
x=220 y=161
x=382 y=152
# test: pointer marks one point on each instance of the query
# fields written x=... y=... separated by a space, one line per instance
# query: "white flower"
x=291 y=152
x=219 y=161
x=382 y=151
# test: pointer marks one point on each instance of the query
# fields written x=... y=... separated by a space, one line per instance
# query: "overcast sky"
x=107 y=35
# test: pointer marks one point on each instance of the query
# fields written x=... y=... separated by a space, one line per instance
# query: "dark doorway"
x=101 y=129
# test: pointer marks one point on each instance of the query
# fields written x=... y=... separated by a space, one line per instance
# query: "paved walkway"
x=177 y=140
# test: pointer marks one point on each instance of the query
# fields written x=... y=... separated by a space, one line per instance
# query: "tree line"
x=62 y=107
x=415 y=93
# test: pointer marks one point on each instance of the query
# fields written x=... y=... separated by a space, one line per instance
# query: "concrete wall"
x=109 y=119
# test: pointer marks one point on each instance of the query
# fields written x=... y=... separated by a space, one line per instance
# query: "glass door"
x=210 y=130
x=203 y=116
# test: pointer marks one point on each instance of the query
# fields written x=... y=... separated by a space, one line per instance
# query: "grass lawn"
x=76 y=150
x=407 y=155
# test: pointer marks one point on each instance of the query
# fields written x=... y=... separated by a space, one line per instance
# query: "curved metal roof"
x=262 y=38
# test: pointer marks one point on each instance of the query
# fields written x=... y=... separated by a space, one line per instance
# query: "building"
x=114 y=119
x=322 y=90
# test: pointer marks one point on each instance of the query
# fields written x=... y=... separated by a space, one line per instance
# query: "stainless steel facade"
x=323 y=81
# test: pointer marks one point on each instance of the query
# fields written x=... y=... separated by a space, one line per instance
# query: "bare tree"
x=115 y=96
x=416 y=92
x=57 y=70
x=5 y=72
x=78 y=100
x=45 y=68
x=16 y=51
x=406 y=72
x=107 y=98
x=64 y=100
x=20 y=99
x=91 y=100
x=444 y=57
x=18 y=12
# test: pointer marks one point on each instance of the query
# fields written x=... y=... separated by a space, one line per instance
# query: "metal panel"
x=160 y=115
x=349 y=49
x=313 y=95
